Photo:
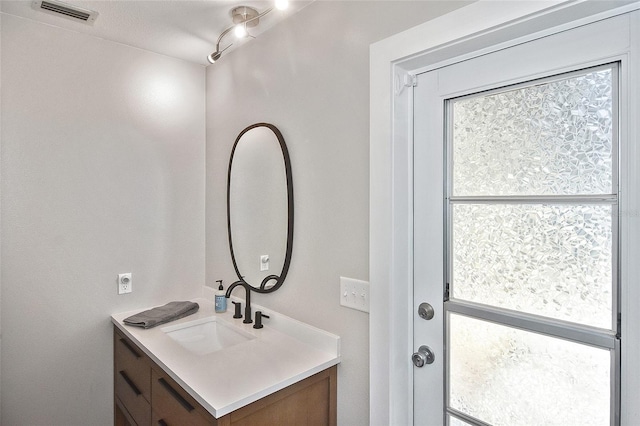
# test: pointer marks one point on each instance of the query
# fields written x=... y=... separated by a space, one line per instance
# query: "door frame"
x=488 y=26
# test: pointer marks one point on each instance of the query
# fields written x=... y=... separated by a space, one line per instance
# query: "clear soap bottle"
x=220 y=300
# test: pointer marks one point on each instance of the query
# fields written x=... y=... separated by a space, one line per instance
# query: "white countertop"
x=282 y=353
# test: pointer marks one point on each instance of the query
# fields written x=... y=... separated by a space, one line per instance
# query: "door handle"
x=424 y=356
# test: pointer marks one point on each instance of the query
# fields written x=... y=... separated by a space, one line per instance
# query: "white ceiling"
x=185 y=29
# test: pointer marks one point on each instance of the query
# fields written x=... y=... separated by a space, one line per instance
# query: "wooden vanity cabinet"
x=132 y=383
x=145 y=395
x=311 y=401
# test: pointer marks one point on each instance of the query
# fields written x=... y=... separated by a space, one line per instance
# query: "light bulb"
x=282 y=4
x=240 y=31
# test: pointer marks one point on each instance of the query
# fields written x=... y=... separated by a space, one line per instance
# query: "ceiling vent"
x=66 y=10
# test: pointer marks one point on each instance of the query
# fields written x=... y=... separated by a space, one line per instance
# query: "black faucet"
x=247 y=308
x=237 y=306
x=259 y=316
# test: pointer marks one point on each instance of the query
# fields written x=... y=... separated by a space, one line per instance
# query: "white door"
x=516 y=230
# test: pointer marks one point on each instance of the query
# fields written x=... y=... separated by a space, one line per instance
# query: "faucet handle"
x=238 y=308
x=259 y=316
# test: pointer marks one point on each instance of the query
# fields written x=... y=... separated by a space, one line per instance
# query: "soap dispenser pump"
x=221 y=300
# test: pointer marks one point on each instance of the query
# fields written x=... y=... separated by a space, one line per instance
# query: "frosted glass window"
x=454 y=421
x=547 y=139
x=551 y=260
x=505 y=376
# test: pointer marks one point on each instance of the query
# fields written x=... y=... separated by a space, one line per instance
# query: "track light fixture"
x=244 y=17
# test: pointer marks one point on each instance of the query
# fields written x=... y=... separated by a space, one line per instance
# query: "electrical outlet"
x=264 y=262
x=124 y=283
x=354 y=294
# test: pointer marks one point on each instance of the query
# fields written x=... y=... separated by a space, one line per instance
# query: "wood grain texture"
x=309 y=402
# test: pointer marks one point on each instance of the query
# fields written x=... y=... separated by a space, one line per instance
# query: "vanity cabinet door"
x=172 y=406
x=132 y=382
x=310 y=402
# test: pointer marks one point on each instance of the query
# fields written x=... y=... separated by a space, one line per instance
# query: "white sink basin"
x=206 y=335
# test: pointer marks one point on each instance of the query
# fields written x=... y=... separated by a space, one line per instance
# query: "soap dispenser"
x=221 y=300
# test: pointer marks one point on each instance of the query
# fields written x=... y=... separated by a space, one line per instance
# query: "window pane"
x=551 y=260
x=548 y=139
x=454 y=421
x=505 y=376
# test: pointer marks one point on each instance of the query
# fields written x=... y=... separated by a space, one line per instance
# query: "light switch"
x=354 y=294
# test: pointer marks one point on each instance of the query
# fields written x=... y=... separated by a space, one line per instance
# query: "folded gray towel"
x=162 y=314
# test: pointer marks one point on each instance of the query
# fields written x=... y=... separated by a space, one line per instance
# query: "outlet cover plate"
x=124 y=283
x=264 y=262
x=354 y=294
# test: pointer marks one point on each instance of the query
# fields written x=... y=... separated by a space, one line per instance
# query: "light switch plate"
x=354 y=294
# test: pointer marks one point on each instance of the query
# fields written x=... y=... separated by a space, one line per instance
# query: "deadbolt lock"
x=425 y=311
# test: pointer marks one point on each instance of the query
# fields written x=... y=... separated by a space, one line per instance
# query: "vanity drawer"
x=172 y=406
x=132 y=367
x=137 y=408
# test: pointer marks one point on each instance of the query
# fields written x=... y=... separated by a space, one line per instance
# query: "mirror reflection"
x=260 y=207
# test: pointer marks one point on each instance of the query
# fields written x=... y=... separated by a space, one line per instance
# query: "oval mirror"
x=260 y=207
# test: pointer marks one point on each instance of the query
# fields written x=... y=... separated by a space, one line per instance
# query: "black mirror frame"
x=287 y=259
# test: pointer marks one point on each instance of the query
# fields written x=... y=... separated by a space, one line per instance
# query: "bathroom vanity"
x=215 y=368
x=212 y=369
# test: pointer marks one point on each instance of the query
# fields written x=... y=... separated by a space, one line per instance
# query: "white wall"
x=102 y=167
x=309 y=76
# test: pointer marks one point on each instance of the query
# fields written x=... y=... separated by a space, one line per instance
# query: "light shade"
x=214 y=57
